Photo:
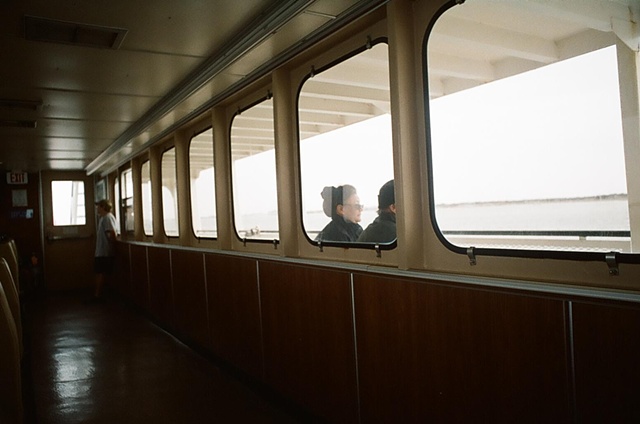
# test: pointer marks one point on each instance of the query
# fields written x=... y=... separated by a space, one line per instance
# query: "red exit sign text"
x=17 y=178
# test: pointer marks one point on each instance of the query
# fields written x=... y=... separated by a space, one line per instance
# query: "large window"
x=203 y=199
x=255 y=200
x=127 y=199
x=346 y=155
x=68 y=203
x=147 y=211
x=170 y=193
x=118 y=202
x=526 y=137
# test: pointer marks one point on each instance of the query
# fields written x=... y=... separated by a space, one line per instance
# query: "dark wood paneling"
x=234 y=311
x=308 y=337
x=14 y=222
x=121 y=278
x=190 y=295
x=160 y=290
x=607 y=356
x=432 y=353
x=140 y=277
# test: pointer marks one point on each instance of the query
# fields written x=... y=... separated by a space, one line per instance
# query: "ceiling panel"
x=78 y=68
x=91 y=96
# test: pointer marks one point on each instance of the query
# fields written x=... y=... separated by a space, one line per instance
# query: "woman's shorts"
x=103 y=264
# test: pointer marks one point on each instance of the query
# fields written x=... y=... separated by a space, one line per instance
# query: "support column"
x=408 y=156
x=155 y=155
x=184 y=188
x=629 y=77
x=286 y=164
x=137 y=199
x=222 y=168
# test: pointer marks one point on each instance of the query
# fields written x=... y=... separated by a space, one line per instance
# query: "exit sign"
x=15 y=177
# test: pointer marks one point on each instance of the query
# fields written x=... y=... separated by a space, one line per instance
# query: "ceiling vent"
x=17 y=123
x=49 y=30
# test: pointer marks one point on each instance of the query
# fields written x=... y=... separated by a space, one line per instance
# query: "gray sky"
x=555 y=132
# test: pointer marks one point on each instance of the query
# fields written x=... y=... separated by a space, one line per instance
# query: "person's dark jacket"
x=381 y=230
x=340 y=230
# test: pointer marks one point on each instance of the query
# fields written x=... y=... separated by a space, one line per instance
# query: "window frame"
x=117 y=202
x=74 y=183
x=123 y=200
x=246 y=241
x=611 y=258
x=213 y=142
x=378 y=247
x=146 y=161
x=176 y=200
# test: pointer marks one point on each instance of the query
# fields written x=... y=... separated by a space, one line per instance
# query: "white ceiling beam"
x=510 y=66
x=357 y=74
x=201 y=151
x=602 y=15
x=251 y=143
x=585 y=42
x=337 y=107
x=628 y=32
x=344 y=91
x=594 y=14
x=313 y=118
x=252 y=133
x=252 y=125
x=436 y=87
x=262 y=113
x=453 y=85
x=241 y=154
x=454 y=66
x=484 y=37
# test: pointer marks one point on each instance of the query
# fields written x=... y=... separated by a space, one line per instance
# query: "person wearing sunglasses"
x=342 y=205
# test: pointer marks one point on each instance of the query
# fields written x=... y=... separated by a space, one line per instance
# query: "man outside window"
x=383 y=228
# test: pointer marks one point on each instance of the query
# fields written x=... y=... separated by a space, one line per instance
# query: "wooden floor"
x=105 y=363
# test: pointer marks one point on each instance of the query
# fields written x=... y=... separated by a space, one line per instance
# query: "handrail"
x=51 y=238
x=548 y=233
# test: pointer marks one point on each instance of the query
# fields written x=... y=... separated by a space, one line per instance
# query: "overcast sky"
x=555 y=132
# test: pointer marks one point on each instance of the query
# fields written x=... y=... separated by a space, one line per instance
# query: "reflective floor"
x=104 y=363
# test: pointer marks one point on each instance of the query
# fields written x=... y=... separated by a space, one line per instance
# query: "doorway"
x=68 y=229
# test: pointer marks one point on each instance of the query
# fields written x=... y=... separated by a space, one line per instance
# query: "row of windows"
x=344 y=142
x=524 y=152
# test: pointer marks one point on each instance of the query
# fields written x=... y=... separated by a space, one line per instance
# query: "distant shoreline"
x=618 y=196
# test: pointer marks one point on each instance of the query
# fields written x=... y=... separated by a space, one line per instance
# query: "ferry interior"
x=510 y=130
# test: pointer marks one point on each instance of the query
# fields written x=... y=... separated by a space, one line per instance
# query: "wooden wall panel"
x=234 y=311
x=308 y=337
x=607 y=363
x=427 y=351
x=14 y=224
x=433 y=353
x=160 y=288
x=140 y=277
x=190 y=295
x=121 y=278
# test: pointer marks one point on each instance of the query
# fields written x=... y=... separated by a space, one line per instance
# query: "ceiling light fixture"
x=20 y=104
x=18 y=123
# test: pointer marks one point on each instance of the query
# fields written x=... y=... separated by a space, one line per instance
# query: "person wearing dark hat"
x=342 y=205
x=383 y=228
x=105 y=246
